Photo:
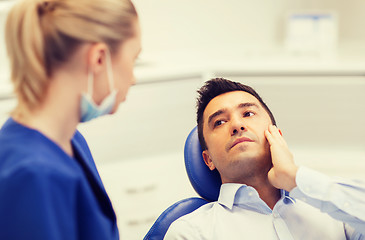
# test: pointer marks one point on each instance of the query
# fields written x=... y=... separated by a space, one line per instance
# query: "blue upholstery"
x=163 y=222
x=205 y=182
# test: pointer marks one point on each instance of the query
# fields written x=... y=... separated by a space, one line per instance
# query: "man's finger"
x=269 y=137
x=276 y=133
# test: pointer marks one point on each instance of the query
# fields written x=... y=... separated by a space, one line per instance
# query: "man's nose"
x=235 y=131
x=237 y=126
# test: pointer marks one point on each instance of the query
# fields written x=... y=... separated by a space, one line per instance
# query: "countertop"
x=214 y=61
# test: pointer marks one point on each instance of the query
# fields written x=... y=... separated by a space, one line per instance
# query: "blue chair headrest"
x=206 y=183
x=181 y=208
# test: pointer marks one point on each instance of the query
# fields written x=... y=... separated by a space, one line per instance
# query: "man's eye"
x=218 y=123
x=248 y=114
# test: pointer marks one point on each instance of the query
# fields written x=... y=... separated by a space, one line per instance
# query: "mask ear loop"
x=90 y=83
x=109 y=70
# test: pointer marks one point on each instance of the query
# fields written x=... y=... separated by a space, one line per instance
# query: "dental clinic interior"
x=306 y=58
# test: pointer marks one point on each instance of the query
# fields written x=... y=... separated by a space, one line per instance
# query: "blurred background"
x=306 y=58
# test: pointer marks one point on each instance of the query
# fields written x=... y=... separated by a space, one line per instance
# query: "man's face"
x=233 y=129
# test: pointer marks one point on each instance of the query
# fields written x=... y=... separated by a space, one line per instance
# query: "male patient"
x=264 y=195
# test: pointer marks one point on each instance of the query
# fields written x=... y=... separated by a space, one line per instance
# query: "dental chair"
x=204 y=181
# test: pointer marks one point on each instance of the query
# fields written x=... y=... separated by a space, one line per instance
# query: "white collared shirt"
x=343 y=199
x=240 y=213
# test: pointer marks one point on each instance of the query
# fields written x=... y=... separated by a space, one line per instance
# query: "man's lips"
x=240 y=140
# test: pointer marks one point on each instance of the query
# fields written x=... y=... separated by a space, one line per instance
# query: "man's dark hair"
x=214 y=88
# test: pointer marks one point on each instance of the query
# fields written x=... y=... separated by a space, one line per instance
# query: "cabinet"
x=141 y=189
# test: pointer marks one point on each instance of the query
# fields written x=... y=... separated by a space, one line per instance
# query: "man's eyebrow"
x=248 y=104
x=217 y=113
x=241 y=105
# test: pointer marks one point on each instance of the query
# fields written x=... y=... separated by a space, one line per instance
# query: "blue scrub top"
x=46 y=194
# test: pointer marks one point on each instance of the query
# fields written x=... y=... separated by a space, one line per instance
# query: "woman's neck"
x=57 y=116
x=53 y=126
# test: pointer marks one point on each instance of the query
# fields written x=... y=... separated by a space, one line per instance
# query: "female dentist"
x=71 y=61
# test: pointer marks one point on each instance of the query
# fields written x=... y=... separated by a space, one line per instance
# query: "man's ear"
x=208 y=161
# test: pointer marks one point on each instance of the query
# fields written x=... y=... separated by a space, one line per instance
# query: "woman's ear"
x=96 y=57
x=208 y=161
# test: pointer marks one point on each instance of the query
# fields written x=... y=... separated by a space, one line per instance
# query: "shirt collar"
x=236 y=193
x=286 y=198
x=228 y=192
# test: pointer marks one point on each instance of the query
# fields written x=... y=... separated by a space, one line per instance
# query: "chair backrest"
x=205 y=182
x=178 y=209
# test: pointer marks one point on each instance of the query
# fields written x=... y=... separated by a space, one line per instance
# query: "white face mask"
x=88 y=107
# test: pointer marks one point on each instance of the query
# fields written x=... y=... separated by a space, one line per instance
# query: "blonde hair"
x=41 y=35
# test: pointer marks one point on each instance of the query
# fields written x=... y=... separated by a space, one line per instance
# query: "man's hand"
x=282 y=174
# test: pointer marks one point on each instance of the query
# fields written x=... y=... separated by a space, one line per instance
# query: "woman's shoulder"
x=35 y=157
x=37 y=165
x=27 y=151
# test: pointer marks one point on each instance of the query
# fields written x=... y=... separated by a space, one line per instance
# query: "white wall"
x=196 y=24
x=244 y=25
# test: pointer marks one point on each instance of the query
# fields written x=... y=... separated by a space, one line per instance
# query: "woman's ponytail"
x=25 y=45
